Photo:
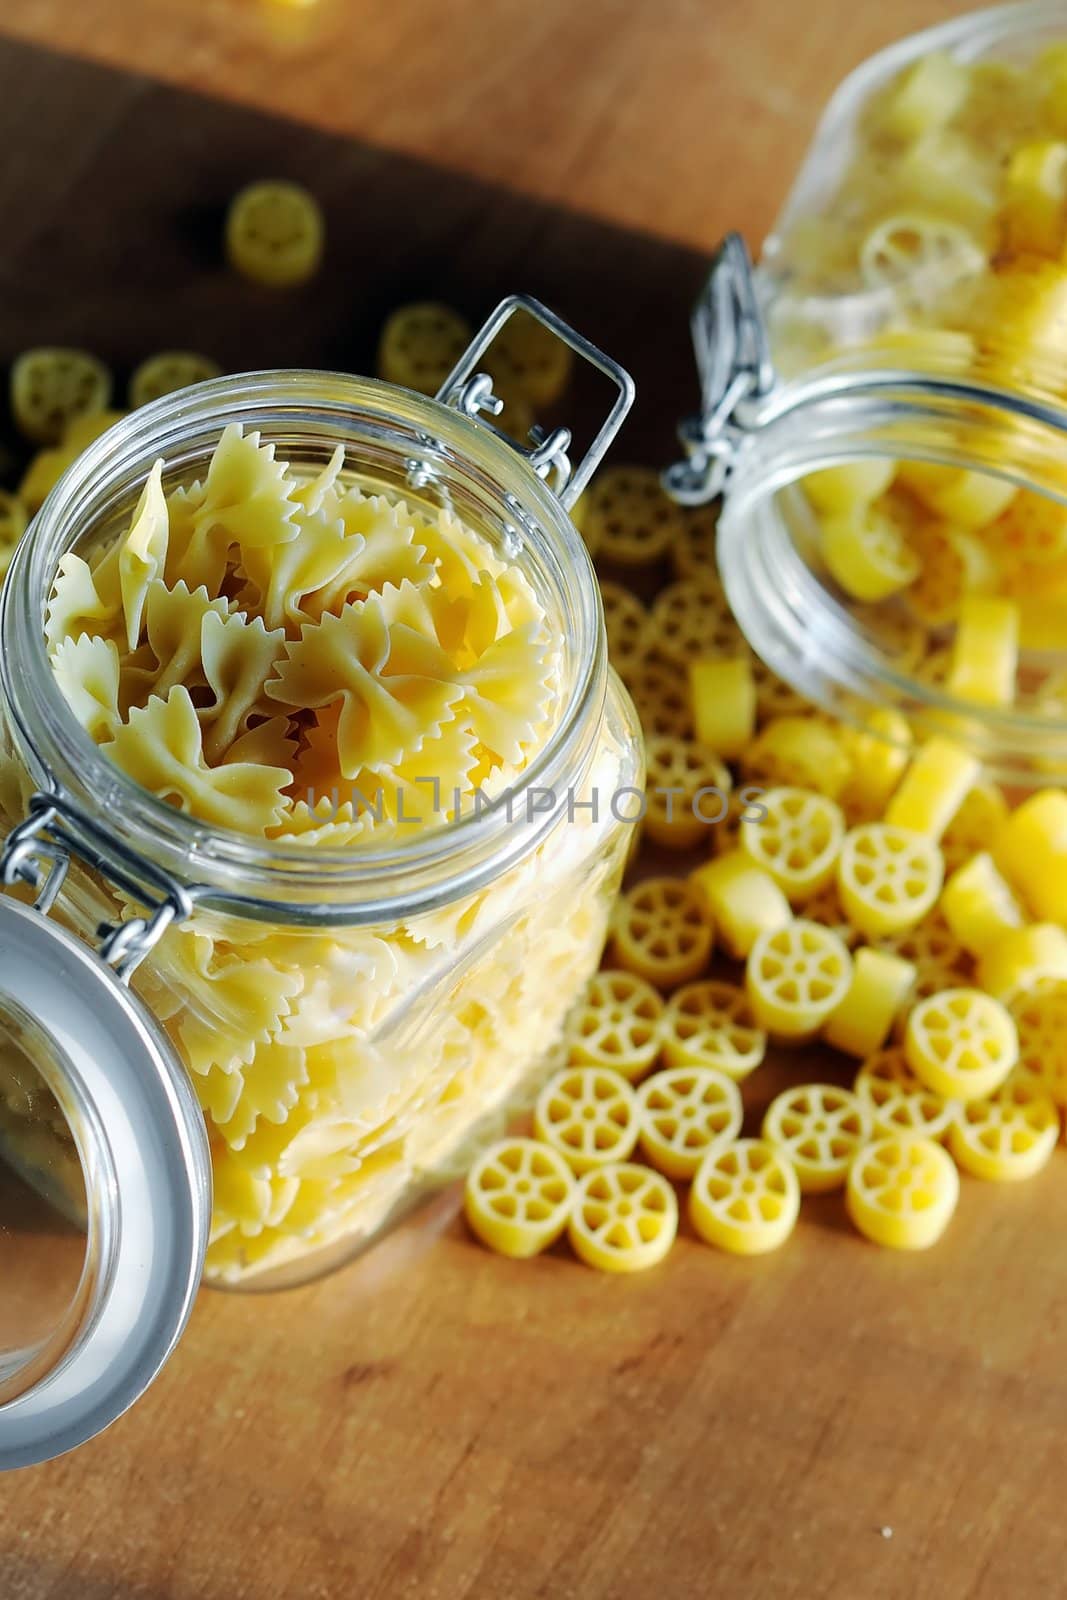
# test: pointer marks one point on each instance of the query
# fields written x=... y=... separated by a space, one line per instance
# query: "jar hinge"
x=471 y=392
x=734 y=364
x=38 y=852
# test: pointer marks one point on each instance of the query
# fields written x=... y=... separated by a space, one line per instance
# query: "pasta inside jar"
x=338 y=668
x=894 y=538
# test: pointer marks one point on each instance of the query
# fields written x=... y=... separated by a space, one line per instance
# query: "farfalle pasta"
x=323 y=665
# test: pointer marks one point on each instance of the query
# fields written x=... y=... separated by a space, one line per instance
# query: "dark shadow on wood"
x=122 y=254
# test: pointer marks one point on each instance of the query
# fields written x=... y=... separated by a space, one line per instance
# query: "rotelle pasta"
x=311 y=661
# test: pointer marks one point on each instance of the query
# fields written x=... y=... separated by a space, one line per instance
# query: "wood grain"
x=681 y=117
x=832 y=1423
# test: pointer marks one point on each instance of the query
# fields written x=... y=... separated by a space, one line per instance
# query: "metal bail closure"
x=470 y=391
x=734 y=364
x=101 y=1132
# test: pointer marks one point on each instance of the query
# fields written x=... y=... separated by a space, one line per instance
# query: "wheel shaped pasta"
x=168 y=372
x=1009 y=1136
x=529 y=355
x=661 y=931
x=518 y=1197
x=684 y=1112
x=616 y=1024
x=940 y=961
x=661 y=696
x=50 y=388
x=796 y=976
x=693 y=551
x=710 y=1024
x=624 y=1218
x=420 y=344
x=627 y=518
x=745 y=1198
x=898 y=1101
x=275 y=234
x=867 y=554
x=1041 y=1021
x=961 y=1043
x=588 y=1114
x=888 y=877
x=692 y=618
x=688 y=791
x=902 y=1192
x=626 y=623
x=820 y=1127
x=797 y=840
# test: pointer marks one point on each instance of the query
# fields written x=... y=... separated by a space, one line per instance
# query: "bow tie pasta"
x=378 y=644
x=293 y=656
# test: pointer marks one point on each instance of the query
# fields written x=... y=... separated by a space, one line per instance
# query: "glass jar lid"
x=106 y=1182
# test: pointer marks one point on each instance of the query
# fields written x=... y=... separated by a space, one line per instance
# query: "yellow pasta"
x=1031 y=850
x=797 y=840
x=87 y=670
x=867 y=553
x=13 y=520
x=879 y=752
x=975 y=825
x=985 y=652
x=688 y=791
x=856 y=483
x=1035 y=198
x=881 y=984
x=723 y=692
x=275 y=234
x=941 y=172
x=800 y=752
x=420 y=344
x=933 y=789
x=661 y=695
x=529 y=356
x=1032 y=530
x=161 y=747
x=954 y=562
x=926 y=96
x=41 y=477
x=626 y=623
x=252 y=641
x=169 y=372
x=971 y=499
x=143 y=557
x=796 y=976
x=978 y=905
x=627 y=517
x=888 y=877
x=52 y=387
x=691 y=618
x=919 y=255
x=742 y=900
x=1022 y=958
x=693 y=551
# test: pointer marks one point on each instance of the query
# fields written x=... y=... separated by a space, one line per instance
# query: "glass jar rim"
x=234 y=872
x=856 y=407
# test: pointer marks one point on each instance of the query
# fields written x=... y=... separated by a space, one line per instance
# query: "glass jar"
x=905 y=326
x=325 y=1036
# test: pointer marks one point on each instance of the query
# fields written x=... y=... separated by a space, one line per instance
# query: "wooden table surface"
x=831 y=1423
